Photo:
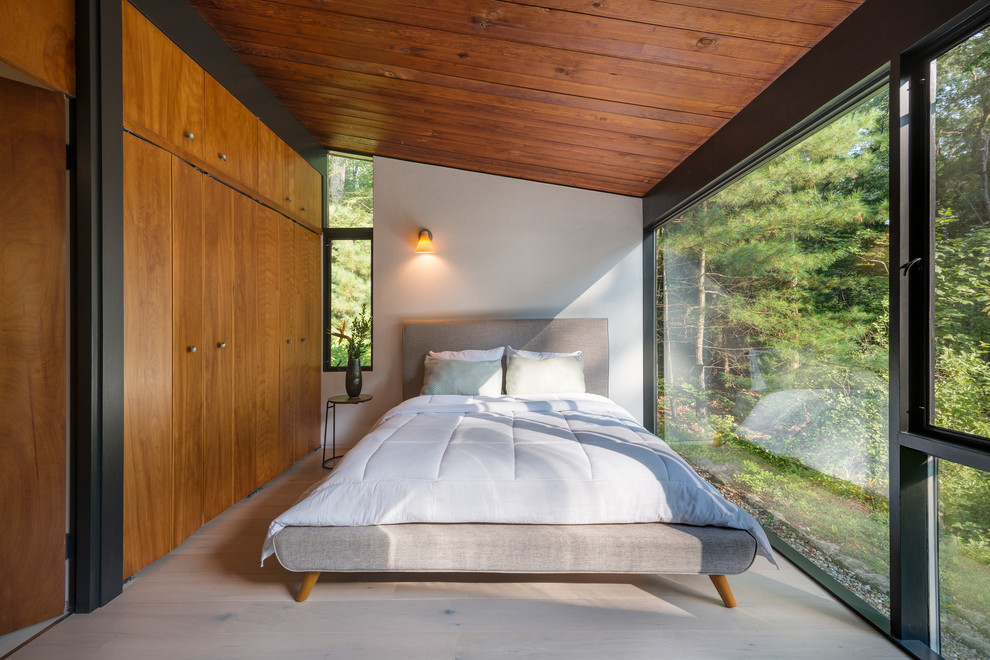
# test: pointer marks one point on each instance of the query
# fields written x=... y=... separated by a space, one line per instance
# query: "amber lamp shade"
x=425 y=244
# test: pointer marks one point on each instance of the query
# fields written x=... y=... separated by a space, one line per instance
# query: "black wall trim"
x=96 y=309
x=652 y=324
x=873 y=35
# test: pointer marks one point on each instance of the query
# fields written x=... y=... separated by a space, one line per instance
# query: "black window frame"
x=917 y=444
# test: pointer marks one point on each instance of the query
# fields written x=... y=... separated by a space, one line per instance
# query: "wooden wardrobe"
x=221 y=298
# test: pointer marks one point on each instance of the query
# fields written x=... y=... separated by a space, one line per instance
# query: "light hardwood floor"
x=210 y=599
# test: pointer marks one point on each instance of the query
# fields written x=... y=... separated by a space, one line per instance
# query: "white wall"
x=505 y=248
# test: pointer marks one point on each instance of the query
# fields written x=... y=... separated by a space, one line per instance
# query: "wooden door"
x=290 y=198
x=271 y=179
x=188 y=350
x=163 y=87
x=147 y=354
x=303 y=187
x=309 y=188
x=232 y=138
x=267 y=383
x=247 y=362
x=32 y=355
x=146 y=57
x=219 y=348
x=288 y=362
x=308 y=260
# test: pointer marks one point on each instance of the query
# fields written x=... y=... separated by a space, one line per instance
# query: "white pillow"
x=556 y=375
x=470 y=355
x=464 y=377
x=536 y=355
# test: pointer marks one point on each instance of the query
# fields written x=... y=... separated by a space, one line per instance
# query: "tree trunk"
x=984 y=155
x=338 y=170
x=699 y=347
x=670 y=407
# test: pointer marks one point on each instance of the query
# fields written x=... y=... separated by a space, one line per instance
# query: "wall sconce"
x=425 y=244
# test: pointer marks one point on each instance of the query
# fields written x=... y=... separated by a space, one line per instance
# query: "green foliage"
x=792 y=261
x=962 y=238
x=962 y=389
x=359 y=340
x=351 y=186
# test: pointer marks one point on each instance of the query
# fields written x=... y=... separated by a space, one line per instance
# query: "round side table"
x=332 y=404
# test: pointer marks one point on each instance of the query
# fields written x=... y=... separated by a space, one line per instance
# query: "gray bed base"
x=636 y=548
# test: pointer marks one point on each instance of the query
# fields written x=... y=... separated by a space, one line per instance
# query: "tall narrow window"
x=962 y=238
x=347 y=258
x=960 y=380
x=774 y=346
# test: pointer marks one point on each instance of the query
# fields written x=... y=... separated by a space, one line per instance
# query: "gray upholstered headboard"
x=590 y=336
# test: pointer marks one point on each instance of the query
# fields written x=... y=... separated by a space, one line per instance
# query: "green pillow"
x=462 y=377
x=556 y=375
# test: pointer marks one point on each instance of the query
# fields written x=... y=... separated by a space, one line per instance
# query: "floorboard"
x=210 y=598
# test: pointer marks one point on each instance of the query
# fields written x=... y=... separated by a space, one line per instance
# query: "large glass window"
x=347 y=260
x=773 y=342
x=962 y=238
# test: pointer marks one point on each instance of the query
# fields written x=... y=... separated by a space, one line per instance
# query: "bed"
x=409 y=497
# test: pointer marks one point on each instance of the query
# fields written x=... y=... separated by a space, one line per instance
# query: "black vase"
x=352 y=379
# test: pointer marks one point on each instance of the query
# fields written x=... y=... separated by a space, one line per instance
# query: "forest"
x=774 y=341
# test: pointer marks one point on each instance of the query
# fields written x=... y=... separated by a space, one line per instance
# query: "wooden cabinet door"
x=308 y=251
x=257 y=453
x=248 y=375
x=271 y=177
x=290 y=198
x=303 y=188
x=162 y=86
x=146 y=56
x=288 y=361
x=267 y=387
x=147 y=354
x=231 y=143
x=219 y=348
x=188 y=350
x=309 y=189
x=32 y=355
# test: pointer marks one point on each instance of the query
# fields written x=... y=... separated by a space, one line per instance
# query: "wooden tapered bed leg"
x=722 y=587
x=307 y=585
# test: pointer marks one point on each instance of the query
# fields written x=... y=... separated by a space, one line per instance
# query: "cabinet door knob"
x=190 y=349
x=288 y=341
x=288 y=199
x=304 y=209
x=223 y=157
x=221 y=344
x=303 y=339
x=190 y=136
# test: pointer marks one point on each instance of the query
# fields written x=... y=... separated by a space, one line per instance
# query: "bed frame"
x=636 y=548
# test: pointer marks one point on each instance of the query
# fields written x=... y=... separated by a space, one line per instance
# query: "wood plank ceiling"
x=607 y=95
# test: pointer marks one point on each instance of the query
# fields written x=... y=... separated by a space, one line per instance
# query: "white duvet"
x=563 y=459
